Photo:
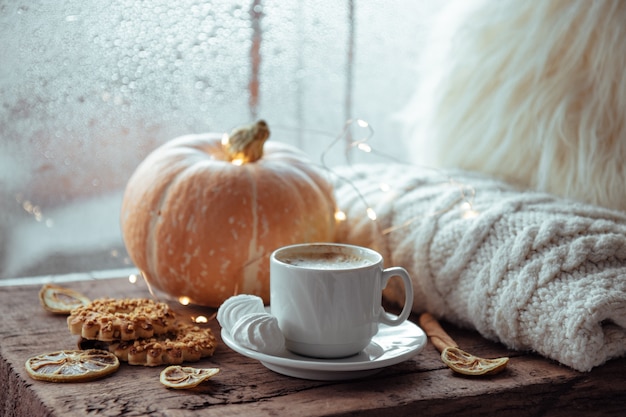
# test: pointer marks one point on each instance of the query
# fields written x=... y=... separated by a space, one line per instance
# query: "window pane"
x=88 y=89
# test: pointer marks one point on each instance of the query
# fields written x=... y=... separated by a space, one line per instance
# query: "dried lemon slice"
x=465 y=363
x=61 y=300
x=183 y=377
x=72 y=365
x=458 y=360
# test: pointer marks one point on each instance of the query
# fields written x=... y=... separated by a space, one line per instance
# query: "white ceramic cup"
x=327 y=297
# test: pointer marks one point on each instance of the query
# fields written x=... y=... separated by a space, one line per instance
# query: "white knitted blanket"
x=530 y=270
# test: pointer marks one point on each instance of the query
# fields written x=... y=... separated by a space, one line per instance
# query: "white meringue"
x=259 y=332
x=236 y=307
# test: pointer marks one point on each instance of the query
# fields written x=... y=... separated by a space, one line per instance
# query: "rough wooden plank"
x=531 y=386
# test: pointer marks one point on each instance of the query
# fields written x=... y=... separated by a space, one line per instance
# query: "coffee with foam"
x=326 y=260
x=327 y=297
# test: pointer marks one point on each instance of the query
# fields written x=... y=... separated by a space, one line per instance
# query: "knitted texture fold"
x=527 y=269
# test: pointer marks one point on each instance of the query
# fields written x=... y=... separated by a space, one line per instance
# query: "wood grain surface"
x=421 y=386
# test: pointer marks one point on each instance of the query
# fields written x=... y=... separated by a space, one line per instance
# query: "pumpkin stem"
x=245 y=144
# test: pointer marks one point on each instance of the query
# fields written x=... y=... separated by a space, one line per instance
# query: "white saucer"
x=390 y=346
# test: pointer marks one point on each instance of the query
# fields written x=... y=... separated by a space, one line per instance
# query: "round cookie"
x=124 y=319
x=188 y=343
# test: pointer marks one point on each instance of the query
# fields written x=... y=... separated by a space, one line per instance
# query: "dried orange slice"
x=61 y=300
x=465 y=363
x=72 y=365
x=184 y=377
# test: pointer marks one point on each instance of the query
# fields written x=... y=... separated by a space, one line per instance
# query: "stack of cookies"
x=140 y=331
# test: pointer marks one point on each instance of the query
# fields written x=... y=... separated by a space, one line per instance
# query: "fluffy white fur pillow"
x=533 y=92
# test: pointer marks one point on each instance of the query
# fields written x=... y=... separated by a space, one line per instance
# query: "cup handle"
x=408 y=295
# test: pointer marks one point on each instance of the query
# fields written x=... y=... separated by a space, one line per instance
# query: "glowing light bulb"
x=340 y=216
x=200 y=319
x=362 y=123
x=184 y=300
x=371 y=213
x=237 y=161
x=470 y=214
x=364 y=147
x=132 y=278
x=225 y=139
x=468 y=210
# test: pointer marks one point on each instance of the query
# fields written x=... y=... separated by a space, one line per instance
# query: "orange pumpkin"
x=202 y=213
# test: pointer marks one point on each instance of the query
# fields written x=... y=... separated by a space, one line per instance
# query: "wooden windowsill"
x=531 y=385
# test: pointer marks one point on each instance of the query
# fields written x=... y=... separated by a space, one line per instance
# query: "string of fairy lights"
x=360 y=143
